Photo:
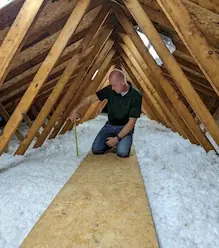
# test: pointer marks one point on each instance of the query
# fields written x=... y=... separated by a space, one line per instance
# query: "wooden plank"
x=43 y=72
x=211 y=5
x=84 y=81
x=69 y=70
x=135 y=44
x=83 y=111
x=45 y=23
x=195 y=85
x=36 y=53
x=176 y=120
x=92 y=87
x=173 y=68
x=86 y=86
x=216 y=114
x=193 y=38
x=59 y=110
x=157 y=93
x=206 y=20
x=147 y=108
x=6 y=116
x=29 y=123
x=16 y=36
x=94 y=109
x=81 y=85
x=159 y=110
x=109 y=209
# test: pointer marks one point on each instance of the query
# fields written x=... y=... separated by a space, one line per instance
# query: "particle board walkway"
x=103 y=205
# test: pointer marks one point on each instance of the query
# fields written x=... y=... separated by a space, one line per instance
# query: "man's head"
x=118 y=81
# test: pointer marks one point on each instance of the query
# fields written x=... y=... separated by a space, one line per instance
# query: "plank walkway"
x=103 y=205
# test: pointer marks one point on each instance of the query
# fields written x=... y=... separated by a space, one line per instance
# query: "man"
x=124 y=107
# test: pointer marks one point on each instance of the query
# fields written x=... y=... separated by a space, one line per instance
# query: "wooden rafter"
x=85 y=85
x=59 y=110
x=16 y=36
x=90 y=111
x=182 y=93
x=193 y=38
x=159 y=110
x=176 y=120
x=6 y=116
x=43 y=72
x=94 y=64
x=170 y=63
x=133 y=41
x=208 y=27
x=147 y=108
x=71 y=66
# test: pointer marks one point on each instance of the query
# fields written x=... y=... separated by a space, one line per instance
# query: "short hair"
x=118 y=73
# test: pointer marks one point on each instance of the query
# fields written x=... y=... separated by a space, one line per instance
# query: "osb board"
x=103 y=205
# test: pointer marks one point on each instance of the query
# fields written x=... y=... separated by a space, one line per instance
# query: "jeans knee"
x=122 y=154
x=96 y=151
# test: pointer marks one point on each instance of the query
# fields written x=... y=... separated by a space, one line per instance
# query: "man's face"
x=116 y=84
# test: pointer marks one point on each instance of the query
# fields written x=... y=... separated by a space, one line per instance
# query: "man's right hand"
x=74 y=116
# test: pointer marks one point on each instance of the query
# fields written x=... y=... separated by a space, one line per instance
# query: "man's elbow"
x=132 y=121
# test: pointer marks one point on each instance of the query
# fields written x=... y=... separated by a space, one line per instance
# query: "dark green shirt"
x=120 y=108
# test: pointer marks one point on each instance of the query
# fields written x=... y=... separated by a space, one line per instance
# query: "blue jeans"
x=122 y=148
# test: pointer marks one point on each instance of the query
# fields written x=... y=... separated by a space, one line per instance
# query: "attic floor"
x=181 y=180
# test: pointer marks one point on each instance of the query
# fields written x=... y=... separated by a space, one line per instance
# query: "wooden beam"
x=81 y=87
x=161 y=97
x=91 y=87
x=173 y=68
x=147 y=108
x=29 y=123
x=71 y=66
x=145 y=86
x=94 y=109
x=84 y=88
x=150 y=106
x=209 y=26
x=196 y=84
x=32 y=57
x=16 y=36
x=43 y=72
x=211 y=103
x=162 y=116
x=154 y=71
x=59 y=110
x=22 y=81
x=216 y=114
x=92 y=90
x=6 y=116
x=193 y=38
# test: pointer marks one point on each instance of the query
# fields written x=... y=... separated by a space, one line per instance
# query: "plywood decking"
x=103 y=204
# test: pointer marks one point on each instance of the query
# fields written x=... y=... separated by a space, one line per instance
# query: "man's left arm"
x=134 y=114
x=128 y=127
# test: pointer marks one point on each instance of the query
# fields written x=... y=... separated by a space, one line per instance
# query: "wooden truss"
x=48 y=61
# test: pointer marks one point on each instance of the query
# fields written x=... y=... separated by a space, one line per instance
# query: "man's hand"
x=112 y=141
x=74 y=116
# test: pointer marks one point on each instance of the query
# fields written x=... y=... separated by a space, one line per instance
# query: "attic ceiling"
x=49 y=23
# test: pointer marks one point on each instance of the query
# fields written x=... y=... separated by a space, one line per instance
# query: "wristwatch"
x=119 y=138
x=78 y=116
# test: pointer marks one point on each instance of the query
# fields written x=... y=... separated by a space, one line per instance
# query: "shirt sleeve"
x=104 y=93
x=135 y=110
